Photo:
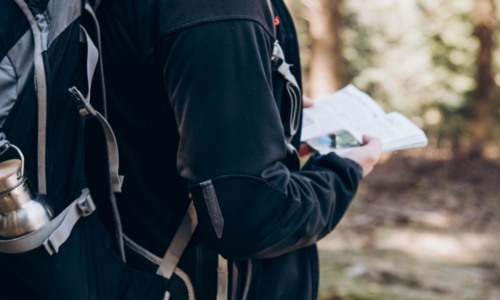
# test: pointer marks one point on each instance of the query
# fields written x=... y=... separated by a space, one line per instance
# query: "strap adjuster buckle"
x=86 y=206
x=83 y=105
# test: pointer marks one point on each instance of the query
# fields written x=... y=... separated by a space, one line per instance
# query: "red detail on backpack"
x=277 y=21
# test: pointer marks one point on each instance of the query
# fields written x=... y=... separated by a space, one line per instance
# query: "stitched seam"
x=208 y=20
x=173 y=30
x=252 y=179
x=13 y=67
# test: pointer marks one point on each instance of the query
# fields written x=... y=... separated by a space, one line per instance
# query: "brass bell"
x=20 y=211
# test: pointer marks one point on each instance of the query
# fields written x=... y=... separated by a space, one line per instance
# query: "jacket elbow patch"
x=237 y=213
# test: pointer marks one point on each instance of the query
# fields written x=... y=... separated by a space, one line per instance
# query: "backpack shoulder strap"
x=41 y=89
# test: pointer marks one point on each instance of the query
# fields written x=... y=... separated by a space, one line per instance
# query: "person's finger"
x=376 y=142
x=367 y=171
x=367 y=139
x=306 y=101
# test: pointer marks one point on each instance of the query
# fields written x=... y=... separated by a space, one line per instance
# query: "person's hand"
x=304 y=148
x=368 y=155
x=306 y=101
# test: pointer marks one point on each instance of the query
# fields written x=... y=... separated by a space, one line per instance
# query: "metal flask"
x=20 y=211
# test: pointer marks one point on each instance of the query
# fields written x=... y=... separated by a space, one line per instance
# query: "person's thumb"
x=371 y=141
x=306 y=101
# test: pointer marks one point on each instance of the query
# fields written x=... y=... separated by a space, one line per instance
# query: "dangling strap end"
x=51 y=249
x=117 y=186
x=83 y=105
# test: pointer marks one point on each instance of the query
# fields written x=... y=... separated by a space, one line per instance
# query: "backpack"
x=50 y=69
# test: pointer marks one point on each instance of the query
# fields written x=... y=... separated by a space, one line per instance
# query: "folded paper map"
x=338 y=122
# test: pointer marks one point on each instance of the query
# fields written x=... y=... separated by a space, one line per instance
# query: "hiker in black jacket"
x=197 y=108
x=204 y=97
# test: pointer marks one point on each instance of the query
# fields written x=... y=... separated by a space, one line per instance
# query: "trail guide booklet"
x=338 y=122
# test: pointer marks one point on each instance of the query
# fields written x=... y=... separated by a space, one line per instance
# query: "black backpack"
x=49 y=70
x=46 y=74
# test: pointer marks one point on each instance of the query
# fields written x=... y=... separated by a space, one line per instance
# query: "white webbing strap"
x=168 y=265
x=90 y=10
x=54 y=234
x=92 y=58
x=179 y=243
x=284 y=69
x=116 y=179
x=222 y=279
x=157 y=261
x=41 y=91
x=86 y=110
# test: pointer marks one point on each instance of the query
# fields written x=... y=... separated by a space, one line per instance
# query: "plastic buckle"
x=84 y=108
x=86 y=206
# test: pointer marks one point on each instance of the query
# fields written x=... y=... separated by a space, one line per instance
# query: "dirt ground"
x=422 y=226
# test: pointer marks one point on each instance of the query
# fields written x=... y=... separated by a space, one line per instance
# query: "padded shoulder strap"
x=41 y=90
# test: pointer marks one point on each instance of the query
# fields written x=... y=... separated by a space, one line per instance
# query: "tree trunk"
x=328 y=67
x=482 y=120
x=290 y=5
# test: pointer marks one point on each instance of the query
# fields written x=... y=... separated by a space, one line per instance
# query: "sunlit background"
x=426 y=223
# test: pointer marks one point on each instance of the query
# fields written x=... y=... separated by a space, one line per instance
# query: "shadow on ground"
x=421 y=228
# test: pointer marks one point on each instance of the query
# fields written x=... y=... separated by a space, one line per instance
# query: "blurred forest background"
x=425 y=224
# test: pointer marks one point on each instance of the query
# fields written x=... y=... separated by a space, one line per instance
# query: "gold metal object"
x=20 y=211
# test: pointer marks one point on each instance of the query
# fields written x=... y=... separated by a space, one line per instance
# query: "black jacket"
x=193 y=97
x=198 y=109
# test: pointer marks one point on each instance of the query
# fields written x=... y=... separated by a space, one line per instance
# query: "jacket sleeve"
x=218 y=80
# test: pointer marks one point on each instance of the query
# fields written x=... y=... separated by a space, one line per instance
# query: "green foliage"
x=414 y=56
